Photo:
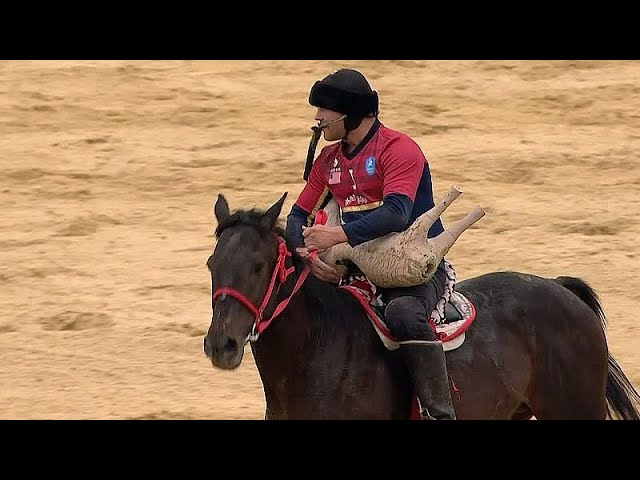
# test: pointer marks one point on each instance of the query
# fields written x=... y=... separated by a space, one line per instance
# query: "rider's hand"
x=321 y=237
x=319 y=268
x=325 y=271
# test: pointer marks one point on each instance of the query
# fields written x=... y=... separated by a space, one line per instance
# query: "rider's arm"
x=295 y=220
x=391 y=216
x=310 y=199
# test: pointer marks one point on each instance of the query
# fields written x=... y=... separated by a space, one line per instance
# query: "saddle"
x=450 y=319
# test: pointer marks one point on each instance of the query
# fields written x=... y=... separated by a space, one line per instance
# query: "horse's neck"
x=300 y=337
x=303 y=357
x=288 y=334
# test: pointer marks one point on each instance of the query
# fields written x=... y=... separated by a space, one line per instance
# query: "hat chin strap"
x=351 y=123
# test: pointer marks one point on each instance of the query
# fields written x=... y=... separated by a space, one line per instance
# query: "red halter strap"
x=280 y=274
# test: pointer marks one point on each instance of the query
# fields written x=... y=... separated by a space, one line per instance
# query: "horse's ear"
x=221 y=208
x=270 y=217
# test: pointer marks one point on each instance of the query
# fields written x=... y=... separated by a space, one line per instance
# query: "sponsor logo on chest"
x=354 y=199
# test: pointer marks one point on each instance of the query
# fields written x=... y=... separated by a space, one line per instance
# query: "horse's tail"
x=622 y=397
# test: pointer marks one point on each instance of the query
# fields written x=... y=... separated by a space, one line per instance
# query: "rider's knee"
x=407 y=319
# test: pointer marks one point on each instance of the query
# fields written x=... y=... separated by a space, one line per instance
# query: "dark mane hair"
x=251 y=218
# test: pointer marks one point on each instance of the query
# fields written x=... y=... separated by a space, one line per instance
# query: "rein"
x=279 y=276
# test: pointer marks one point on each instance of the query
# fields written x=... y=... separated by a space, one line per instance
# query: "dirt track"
x=110 y=171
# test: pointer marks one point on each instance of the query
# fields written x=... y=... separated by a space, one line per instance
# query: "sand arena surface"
x=111 y=169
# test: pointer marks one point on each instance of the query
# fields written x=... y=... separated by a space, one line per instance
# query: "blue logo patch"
x=370 y=166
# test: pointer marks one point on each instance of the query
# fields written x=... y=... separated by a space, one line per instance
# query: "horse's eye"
x=258 y=266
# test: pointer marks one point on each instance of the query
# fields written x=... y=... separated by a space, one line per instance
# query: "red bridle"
x=280 y=274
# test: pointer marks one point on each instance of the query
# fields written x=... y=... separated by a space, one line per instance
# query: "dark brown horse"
x=537 y=346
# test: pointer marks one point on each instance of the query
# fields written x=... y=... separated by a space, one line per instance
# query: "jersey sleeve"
x=402 y=165
x=391 y=216
x=316 y=188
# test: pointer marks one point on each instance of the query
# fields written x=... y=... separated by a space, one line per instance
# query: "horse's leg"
x=578 y=400
x=561 y=394
x=523 y=412
x=491 y=370
x=570 y=371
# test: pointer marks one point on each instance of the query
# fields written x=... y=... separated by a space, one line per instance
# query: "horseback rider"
x=381 y=180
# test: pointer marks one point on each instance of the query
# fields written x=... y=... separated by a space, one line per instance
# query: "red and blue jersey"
x=381 y=187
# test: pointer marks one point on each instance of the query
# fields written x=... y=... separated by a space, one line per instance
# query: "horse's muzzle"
x=207 y=348
x=225 y=352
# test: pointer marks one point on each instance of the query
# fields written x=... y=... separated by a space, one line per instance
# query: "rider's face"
x=334 y=131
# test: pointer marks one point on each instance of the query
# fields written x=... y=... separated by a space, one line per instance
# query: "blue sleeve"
x=392 y=216
x=295 y=220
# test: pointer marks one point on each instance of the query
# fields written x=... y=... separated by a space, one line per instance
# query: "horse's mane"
x=330 y=309
x=251 y=218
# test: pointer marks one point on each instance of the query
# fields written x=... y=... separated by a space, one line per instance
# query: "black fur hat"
x=345 y=91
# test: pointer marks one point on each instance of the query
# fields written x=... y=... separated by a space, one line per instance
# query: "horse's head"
x=242 y=267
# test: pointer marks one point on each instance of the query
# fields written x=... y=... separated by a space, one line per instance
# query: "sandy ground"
x=110 y=171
